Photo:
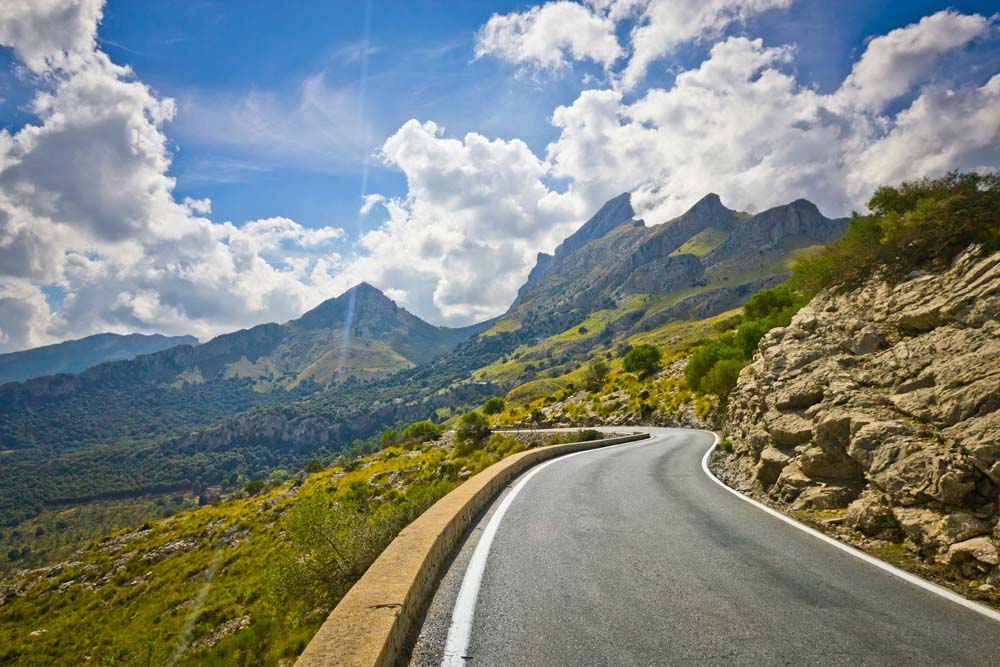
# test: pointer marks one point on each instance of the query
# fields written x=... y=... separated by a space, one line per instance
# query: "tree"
x=313 y=465
x=389 y=439
x=493 y=406
x=421 y=431
x=643 y=359
x=473 y=427
x=595 y=376
x=254 y=487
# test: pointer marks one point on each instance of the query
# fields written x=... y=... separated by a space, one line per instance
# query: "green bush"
x=643 y=359
x=918 y=224
x=596 y=375
x=493 y=406
x=473 y=428
x=713 y=367
x=313 y=465
x=421 y=431
x=389 y=439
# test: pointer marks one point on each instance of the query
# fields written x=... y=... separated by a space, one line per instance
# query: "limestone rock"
x=885 y=400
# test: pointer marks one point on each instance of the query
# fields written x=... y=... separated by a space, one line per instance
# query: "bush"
x=473 y=428
x=721 y=378
x=254 y=487
x=596 y=375
x=389 y=439
x=493 y=406
x=421 y=431
x=643 y=359
x=713 y=367
x=918 y=224
x=313 y=465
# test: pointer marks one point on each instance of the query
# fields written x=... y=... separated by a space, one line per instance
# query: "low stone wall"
x=371 y=625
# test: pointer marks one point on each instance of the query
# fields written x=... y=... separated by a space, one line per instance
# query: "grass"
x=168 y=591
x=58 y=532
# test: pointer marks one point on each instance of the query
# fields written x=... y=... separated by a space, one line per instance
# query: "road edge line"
x=371 y=626
x=460 y=629
x=908 y=577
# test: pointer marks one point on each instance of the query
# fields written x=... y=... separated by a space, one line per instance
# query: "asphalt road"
x=632 y=556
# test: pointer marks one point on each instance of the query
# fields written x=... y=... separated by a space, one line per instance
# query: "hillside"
x=617 y=282
x=246 y=581
x=121 y=421
x=274 y=395
x=73 y=356
x=875 y=413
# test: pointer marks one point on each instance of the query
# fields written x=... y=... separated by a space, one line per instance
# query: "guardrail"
x=373 y=622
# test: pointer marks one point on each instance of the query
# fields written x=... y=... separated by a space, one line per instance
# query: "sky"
x=196 y=168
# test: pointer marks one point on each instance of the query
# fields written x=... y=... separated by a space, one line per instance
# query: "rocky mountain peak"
x=613 y=213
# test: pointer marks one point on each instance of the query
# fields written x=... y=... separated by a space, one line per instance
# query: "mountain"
x=276 y=394
x=708 y=260
x=102 y=419
x=73 y=356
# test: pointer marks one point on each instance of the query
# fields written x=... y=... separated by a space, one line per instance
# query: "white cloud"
x=666 y=24
x=48 y=34
x=892 y=63
x=477 y=211
x=543 y=36
x=942 y=130
x=742 y=126
x=316 y=125
x=86 y=204
x=370 y=202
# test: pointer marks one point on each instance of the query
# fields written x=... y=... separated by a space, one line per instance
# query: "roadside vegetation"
x=248 y=580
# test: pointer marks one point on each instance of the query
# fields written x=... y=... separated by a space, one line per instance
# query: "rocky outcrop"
x=664 y=275
x=884 y=401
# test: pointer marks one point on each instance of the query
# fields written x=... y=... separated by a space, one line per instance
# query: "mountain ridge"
x=74 y=356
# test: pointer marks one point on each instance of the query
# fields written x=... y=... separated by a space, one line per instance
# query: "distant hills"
x=275 y=395
x=73 y=356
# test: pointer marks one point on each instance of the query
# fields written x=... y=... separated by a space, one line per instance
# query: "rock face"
x=884 y=401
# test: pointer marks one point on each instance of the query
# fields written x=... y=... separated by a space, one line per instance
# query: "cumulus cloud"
x=892 y=63
x=543 y=36
x=666 y=24
x=87 y=205
x=477 y=211
x=49 y=34
x=549 y=35
x=741 y=125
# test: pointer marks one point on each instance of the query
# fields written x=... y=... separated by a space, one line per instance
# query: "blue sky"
x=488 y=130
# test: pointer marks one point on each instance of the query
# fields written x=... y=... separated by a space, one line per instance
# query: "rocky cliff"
x=882 y=403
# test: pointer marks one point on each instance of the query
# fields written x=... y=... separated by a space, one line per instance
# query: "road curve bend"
x=631 y=555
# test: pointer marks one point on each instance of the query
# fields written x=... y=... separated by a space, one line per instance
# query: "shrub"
x=721 y=378
x=473 y=428
x=918 y=224
x=389 y=439
x=713 y=367
x=254 y=487
x=313 y=465
x=596 y=375
x=421 y=431
x=493 y=406
x=643 y=359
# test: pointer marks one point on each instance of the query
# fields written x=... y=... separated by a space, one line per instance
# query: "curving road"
x=633 y=556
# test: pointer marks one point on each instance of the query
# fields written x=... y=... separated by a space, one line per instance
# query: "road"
x=633 y=556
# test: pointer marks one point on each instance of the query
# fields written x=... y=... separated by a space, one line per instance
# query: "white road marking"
x=871 y=560
x=460 y=630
